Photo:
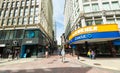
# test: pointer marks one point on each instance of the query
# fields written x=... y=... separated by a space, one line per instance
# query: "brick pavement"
x=52 y=64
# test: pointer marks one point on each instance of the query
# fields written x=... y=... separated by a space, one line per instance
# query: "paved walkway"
x=109 y=63
x=53 y=64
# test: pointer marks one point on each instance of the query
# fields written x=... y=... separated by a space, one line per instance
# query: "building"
x=93 y=24
x=26 y=25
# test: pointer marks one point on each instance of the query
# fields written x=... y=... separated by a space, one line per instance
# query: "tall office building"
x=26 y=25
x=93 y=23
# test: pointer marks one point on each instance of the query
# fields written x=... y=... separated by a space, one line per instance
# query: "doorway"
x=28 y=51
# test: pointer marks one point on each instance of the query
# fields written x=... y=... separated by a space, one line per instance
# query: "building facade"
x=93 y=23
x=26 y=25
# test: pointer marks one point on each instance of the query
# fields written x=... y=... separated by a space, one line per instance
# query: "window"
x=3 y=34
x=19 y=34
x=11 y=34
x=85 y=1
x=14 y=21
x=16 y=12
x=3 y=5
x=23 y=3
x=95 y=7
x=115 y=5
x=87 y=8
x=97 y=22
x=25 y=21
x=31 y=20
x=31 y=11
x=110 y=21
x=76 y=0
x=9 y=22
x=26 y=11
x=6 y=13
x=13 y=4
x=106 y=6
x=8 y=5
x=94 y=0
x=20 y=21
x=33 y=2
x=27 y=3
x=36 y=19
x=78 y=10
x=11 y=13
x=3 y=22
x=36 y=11
x=7 y=35
x=89 y=22
x=21 y=12
x=29 y=34
x=37 y=2
x=18 y=4
x=1 y=13
x=118 y=21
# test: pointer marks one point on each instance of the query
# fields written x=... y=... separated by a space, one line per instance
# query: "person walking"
x=78 y=53
x=89 y=54
x=46 y=51
x=93 y=54
x=63 y=55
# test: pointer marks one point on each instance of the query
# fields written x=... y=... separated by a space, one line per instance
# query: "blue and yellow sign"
x=93 y=29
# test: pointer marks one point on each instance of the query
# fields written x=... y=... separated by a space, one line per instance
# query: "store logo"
x=80 y=37
x=89 y=36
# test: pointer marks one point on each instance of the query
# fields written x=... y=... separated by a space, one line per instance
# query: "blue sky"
x=58 y=9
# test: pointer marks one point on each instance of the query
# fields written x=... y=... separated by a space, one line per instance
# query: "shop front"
x=99 y=38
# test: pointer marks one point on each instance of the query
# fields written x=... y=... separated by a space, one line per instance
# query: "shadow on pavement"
x=51 y=70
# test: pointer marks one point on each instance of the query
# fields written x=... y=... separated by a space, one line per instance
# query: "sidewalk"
x=108 y=63
x=15 y=61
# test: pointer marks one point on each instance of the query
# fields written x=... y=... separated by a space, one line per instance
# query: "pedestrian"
x=59 y=51
x=78 y=53
x=89 y=54
x=93 y=54
x=46 y=51
x=63 y=55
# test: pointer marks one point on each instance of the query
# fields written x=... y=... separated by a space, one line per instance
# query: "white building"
x=92 y=21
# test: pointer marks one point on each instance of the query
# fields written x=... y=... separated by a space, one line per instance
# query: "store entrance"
x=29 y=51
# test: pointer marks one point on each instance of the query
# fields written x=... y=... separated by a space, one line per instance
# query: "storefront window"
x=7 y=35
x=19 y=34
x=31 y=34
x=11 y=34
x=3 y=34
x=97 y=22
x=110 y=21
x=89 y=23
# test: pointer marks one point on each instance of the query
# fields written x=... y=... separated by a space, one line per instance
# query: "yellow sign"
x=94 y=28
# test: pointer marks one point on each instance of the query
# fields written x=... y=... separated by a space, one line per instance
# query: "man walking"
x=63 y=55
